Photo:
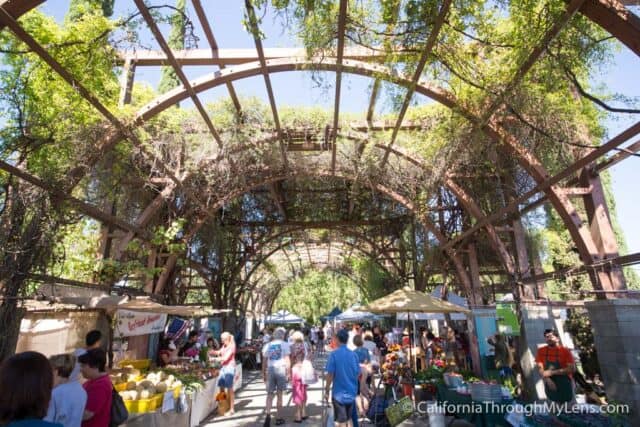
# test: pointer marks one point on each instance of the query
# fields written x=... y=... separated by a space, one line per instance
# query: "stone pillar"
x=616 y=329
x=535 y=319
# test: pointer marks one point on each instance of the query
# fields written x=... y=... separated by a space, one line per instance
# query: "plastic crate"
x=138 y=364
x=143 y=406
x=486 y=392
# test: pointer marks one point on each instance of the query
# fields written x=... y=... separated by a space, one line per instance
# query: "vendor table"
x=203 y=402
x=201 y=405
x=482 y=418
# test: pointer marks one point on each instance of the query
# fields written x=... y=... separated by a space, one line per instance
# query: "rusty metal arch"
x=270 y=238
x=577 y=229
x=424 y=220
x=282 y=245
x=611 y=15
x=465 y=200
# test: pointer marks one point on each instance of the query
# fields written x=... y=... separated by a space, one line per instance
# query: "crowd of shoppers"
x=40 y=392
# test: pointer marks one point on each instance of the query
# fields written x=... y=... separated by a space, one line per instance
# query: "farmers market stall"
x=179 y=395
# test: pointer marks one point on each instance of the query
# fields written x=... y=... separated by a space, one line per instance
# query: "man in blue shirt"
x=342 y=371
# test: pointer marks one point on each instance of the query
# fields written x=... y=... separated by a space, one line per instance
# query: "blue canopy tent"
x=331 y=315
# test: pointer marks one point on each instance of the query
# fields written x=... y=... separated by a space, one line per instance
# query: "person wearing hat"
x=97 y=412
x=342 y=372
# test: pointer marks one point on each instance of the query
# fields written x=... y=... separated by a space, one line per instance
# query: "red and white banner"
x=130 y=323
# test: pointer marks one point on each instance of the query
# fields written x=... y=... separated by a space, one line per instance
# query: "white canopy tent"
x=284 y=317
x=353 y=315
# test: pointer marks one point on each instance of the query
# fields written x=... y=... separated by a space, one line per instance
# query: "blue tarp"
x=333 y=313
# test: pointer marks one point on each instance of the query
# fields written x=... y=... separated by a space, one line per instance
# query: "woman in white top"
x=68 y=398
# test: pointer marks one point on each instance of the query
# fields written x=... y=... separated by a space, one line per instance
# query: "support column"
x=602 y=233
x=475 y=299
x=474 y=272
x=126 y=82
x=617 y=341
x=522 y=254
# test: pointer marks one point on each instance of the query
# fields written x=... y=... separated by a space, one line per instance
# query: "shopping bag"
x=329 y=422
x=309 y=375
x=223 y=403
x=399 y=411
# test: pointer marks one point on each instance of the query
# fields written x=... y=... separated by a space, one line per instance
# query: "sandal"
x=279 y=421
x=298 y=421
x=306 y=417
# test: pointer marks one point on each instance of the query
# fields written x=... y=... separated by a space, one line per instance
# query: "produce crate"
x=144 y=406
x=123 y=386
x=486 y=392
x=138 y=364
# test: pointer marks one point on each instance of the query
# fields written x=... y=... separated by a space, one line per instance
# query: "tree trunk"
x=10 y=318
x=25 y=243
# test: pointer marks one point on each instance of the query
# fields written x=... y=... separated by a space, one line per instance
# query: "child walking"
x=299 y=388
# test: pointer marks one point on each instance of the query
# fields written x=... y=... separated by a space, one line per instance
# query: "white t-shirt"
x=371 y=346
x=350 y=345
x=67 y=404
x=275 y=352
x=314 y=334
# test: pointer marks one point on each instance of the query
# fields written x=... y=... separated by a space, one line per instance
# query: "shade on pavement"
x=406 y=300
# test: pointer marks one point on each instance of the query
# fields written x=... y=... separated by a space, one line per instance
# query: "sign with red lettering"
x=130 y=323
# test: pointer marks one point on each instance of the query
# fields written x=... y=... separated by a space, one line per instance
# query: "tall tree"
x=47 y=129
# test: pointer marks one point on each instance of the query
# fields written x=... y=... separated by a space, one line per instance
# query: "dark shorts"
x=226 y=377
x=342 y=411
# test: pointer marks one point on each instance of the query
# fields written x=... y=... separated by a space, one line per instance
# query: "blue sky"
x=297 y=88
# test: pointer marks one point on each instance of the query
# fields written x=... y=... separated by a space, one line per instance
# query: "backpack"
x=119 y=413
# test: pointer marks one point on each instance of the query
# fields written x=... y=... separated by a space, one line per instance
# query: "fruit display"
x=143 y=393
x=154 y=383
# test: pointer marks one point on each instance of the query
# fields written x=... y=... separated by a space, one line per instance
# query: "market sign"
x=131 y=323
x=507 y=319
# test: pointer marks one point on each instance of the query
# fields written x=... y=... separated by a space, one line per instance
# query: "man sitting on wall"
x=556 y=366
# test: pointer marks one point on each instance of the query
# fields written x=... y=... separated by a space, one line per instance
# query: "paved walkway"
x=251 y=402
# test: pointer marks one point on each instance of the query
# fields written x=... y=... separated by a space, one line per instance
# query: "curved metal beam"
x=346 y=175
x=283 y=245
x=610 y=14
x=494 y=130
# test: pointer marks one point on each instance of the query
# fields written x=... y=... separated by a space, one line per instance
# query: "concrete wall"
x=616 y=328
x=536 y=319
x=59 y=332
